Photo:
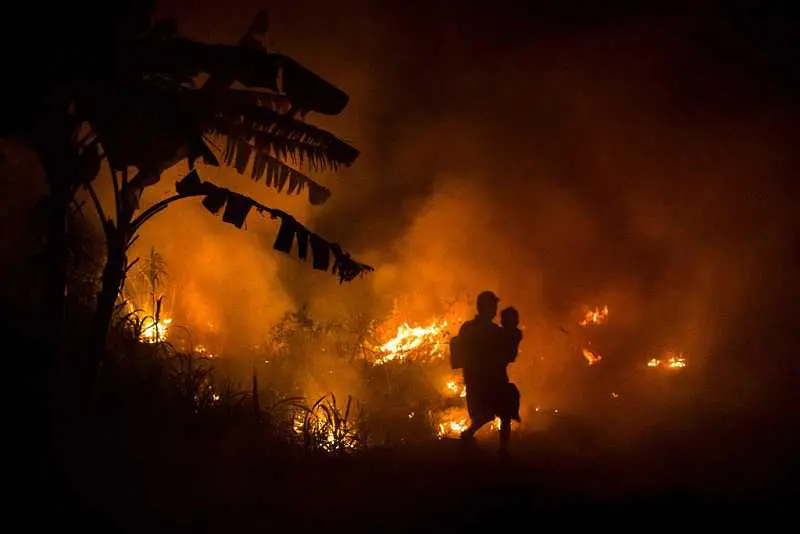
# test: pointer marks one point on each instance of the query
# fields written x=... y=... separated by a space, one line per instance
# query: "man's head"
x=487 y=305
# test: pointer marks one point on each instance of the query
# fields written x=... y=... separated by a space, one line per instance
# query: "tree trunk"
x=113 y=274
x=53 y=303
x=51 y=137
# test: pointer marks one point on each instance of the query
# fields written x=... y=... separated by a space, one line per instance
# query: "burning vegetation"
x=403 y=372
x=670 y=360
x=426 y=346
x=400 y=387
x=586 y=188
x=599 y=317
x=414 y=341
x=595 y=317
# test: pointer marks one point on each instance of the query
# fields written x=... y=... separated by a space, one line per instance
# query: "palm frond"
x=278 y=102
x=249 y=66
x=300 y=153
x=148 y=132
x=255 y=37
x=241 y=113
x=275 y=173
x=325 y=255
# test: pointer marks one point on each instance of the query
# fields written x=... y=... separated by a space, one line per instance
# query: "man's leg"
x=505 y=433
x=474 y=426
x=477 y=412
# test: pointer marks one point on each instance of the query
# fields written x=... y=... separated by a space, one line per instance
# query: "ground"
x=559 y=474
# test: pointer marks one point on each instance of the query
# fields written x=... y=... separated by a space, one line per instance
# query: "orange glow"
x=595 y=317
x=670 y=360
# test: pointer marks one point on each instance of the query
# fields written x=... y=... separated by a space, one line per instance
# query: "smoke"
x=585 y=163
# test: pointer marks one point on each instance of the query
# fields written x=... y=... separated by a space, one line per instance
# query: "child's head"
x=509 y=318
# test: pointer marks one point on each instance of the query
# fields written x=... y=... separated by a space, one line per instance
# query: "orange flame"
x=670 y=360
x=410 y=338
x=591 y=357
x=596 y=317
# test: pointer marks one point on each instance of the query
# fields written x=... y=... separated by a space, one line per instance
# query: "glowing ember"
x=595 y=317
x=149 y=330
x=456 y=389
x=453 y=427
x=154 y=332
x=201 y=351
x=670 y=360
x=456 y=421
x=408 y=339
x=496 y=423
x=591 y=357
x=329 y=436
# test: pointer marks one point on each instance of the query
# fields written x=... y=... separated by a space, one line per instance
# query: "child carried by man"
x=511 y=337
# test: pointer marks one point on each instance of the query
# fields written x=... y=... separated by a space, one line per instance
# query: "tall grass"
x=324 y=426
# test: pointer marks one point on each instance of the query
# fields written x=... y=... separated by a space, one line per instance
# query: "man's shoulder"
x=466 y=327
x=469 y=323
x=476 y=325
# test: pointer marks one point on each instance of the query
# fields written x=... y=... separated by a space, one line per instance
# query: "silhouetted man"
x=480 y=350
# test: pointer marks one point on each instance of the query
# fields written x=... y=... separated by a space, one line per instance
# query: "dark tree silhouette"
x=128 y=96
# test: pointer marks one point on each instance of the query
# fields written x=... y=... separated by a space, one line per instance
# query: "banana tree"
x=146 y=112
x=65 y=45
x=260 y=124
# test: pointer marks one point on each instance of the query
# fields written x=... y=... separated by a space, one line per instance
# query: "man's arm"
x=459 y=347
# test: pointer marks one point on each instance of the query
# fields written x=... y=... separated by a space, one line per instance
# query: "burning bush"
x=394 y=372
x=414 y=379
x=324 y=426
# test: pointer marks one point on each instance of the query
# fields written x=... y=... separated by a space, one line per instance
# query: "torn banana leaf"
x=326 y=256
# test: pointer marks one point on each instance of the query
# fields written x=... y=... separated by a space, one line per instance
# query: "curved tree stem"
x=98 y=206
x=156 y=208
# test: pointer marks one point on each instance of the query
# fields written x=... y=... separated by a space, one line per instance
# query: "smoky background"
x=564 y=159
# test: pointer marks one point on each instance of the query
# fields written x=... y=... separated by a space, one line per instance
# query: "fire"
x=591 y=357
x=596 y=317
x=456 y=389
x=203 y=352
x=154 y=331
x=329 y=436
x=426 y=344
x=452 y=427
x=454 y=422
x=408 y=339
x=149 y=330
x=670 y=360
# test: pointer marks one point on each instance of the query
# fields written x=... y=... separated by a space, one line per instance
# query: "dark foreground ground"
x=149 y=474
x=559 y=476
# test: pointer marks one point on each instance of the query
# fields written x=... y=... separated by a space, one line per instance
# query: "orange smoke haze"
x=568 y=169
